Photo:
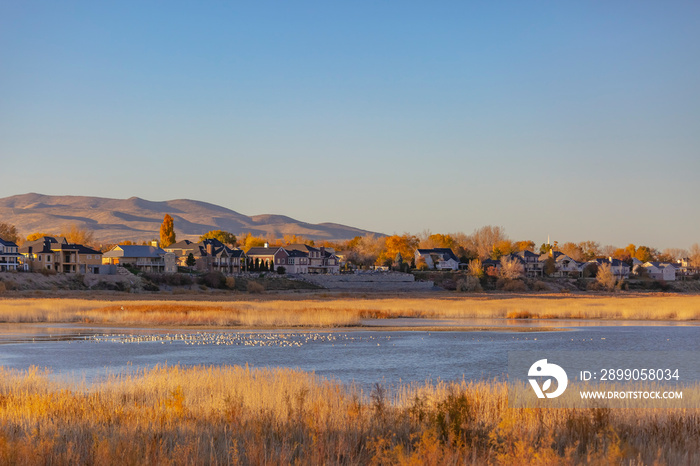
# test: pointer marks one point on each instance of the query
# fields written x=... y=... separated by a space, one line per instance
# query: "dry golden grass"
x=345 y=311
x=234 y=415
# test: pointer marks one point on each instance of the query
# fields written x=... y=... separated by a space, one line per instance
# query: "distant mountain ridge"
x=137 y=219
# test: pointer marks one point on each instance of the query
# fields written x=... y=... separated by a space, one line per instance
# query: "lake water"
x=363 y=356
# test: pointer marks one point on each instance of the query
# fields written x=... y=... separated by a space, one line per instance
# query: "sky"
x=573 y=120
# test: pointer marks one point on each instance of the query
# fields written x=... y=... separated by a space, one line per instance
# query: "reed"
x=346 y=311
x=238 y=415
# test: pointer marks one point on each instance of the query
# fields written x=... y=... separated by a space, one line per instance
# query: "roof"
x=48 y=244
x=526 y=253
x=7 y=243
x=184 y=244
x=446 y=253
x=300 y=247
x=134 y=251
x=262 y=251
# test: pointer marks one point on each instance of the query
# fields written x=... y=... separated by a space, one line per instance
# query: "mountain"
x=135 y=219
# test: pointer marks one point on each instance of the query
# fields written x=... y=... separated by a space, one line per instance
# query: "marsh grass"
x=234 y=415
x=345 y=311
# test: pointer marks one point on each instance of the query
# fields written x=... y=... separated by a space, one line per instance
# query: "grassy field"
x=343 y=310
x=234 y=415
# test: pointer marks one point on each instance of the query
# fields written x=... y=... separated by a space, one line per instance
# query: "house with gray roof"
x=9 y=256
x=210 y=255
x=146 y=258
x=660 y=270
x=57 y=254
x=438 y=258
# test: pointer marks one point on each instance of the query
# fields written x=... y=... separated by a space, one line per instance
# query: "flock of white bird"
x=290 y=339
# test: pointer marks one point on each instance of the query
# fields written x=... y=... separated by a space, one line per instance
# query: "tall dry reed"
x=344 y=311
x=234 y=415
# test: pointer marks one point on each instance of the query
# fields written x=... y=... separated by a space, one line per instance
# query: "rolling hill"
x=136 y=219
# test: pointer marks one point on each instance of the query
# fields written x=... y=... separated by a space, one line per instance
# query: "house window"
x=39 y=258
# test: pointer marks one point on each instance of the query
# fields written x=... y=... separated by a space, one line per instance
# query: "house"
x=438 y=258
x=210 y=255
x=145 y=258
x=567 y=267
x=619 y=268
x=297 y=262
x=267 y=256
x=320 y=260
x=532 y=265
x=56 y=253
x=660 y=270
x=9 y=256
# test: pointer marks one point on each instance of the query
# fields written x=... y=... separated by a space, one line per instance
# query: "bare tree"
x=608 y=250
x=572 y=250
x=76 y=235
x=9 y=232
x=485 y=238
x=674 y=254
x=511 y=268
x=606 y=277
x=694 y=255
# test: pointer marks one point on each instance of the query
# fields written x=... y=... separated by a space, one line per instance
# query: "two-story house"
x=56 y=253
x=9 y=256
x=209 y=255
x=145 y=258
x=438 y=258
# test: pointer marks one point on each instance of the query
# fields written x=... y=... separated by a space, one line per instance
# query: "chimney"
x=210 y=249
x=267 y=245
x=154 y=244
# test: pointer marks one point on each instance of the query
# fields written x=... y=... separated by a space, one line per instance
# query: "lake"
x=364 y=355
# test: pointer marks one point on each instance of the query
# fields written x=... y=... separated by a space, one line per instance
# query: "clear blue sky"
x=580 y=120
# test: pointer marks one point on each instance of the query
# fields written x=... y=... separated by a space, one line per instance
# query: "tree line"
x=488 y=242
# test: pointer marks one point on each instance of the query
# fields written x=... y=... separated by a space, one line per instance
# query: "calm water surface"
x=363 y=356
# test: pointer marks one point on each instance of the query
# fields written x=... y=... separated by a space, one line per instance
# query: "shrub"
x=213 y=280
x=515 y=286
x=540 y=286
x=281 y=270
x=170 y=279
x=255 y=287
x=231 y=283
x=605 y=277
x=469 y=284
x=3 y=288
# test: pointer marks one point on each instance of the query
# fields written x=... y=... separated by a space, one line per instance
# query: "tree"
x=220 y=235
x=249 y=241
x=38 y=235
x=606 y=277
x=524 y=246
x=484 y=239
x=694 y=255
x=572 y=250
x=190 y=261
x=550 y=266
x=502 y=248
x=76 y=235
x=644 y=254
x=511 y=268
x=9 y=233
x=591 y=249
x=475 y=268
x=167 y=231
x=673 y=254
x=405 y=245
